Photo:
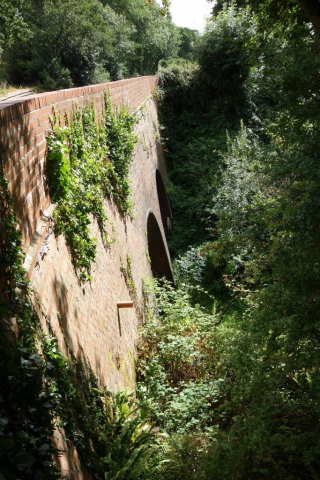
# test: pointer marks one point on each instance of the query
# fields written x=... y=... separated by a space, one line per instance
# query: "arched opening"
x=160 y=263
x=164 y=204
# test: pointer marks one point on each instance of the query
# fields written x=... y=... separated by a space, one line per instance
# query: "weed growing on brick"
x=87 y=162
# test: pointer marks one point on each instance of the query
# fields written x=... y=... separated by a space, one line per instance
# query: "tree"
x=311 y=8
x=272 y=12
x=119 y=56
x=9 y=21
x=63 y=43
x=189 y=43
x=265 y=241
x=223 y=56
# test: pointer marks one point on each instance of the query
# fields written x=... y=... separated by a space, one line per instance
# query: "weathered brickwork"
x=23 y=127
x=84 y=317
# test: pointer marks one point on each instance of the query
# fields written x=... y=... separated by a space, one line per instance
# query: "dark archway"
x=165 y=209
x=160 y=262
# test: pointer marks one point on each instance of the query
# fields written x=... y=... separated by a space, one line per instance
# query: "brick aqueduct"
x=86 y=316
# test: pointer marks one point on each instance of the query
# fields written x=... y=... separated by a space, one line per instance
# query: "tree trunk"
x=311 y=9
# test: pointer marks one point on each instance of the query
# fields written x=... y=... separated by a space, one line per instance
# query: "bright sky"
x=190 y=13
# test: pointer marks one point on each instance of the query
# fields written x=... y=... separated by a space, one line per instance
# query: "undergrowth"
x=26 y=421
x=179 y=379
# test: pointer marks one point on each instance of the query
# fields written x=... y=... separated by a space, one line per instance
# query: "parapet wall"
x=24 y=124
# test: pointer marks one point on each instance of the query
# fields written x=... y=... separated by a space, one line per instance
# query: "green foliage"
x=67 y=42
x=264 y=258
x=86 y=162
x=120 y=142
x=56 y=52
x=223 y=57
x=196 y=111
x=155 y=37
x=189 y=268
x=189 y=44
x=10 y=23
x=272 y=13
x=177 y=361
x=25 y=402
x=132 y=441
x=111 y=435
x=205 y=272
x=267 y=232
x=182 y=381
x=118 y=60
x=230 y=382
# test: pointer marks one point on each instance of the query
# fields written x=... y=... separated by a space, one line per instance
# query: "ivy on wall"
x=88 y=161
x=127 y=272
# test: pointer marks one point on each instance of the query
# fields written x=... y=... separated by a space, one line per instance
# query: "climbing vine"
x=128 y=276
x=126 y=270
x=88 y=161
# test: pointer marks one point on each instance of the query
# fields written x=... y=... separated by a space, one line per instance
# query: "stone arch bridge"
x=86 y=316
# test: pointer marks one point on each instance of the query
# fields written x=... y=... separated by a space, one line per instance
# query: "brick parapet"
x=24 y=124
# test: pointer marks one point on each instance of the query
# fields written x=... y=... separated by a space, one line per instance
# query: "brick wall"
x=23 y=127
x=84 y=317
